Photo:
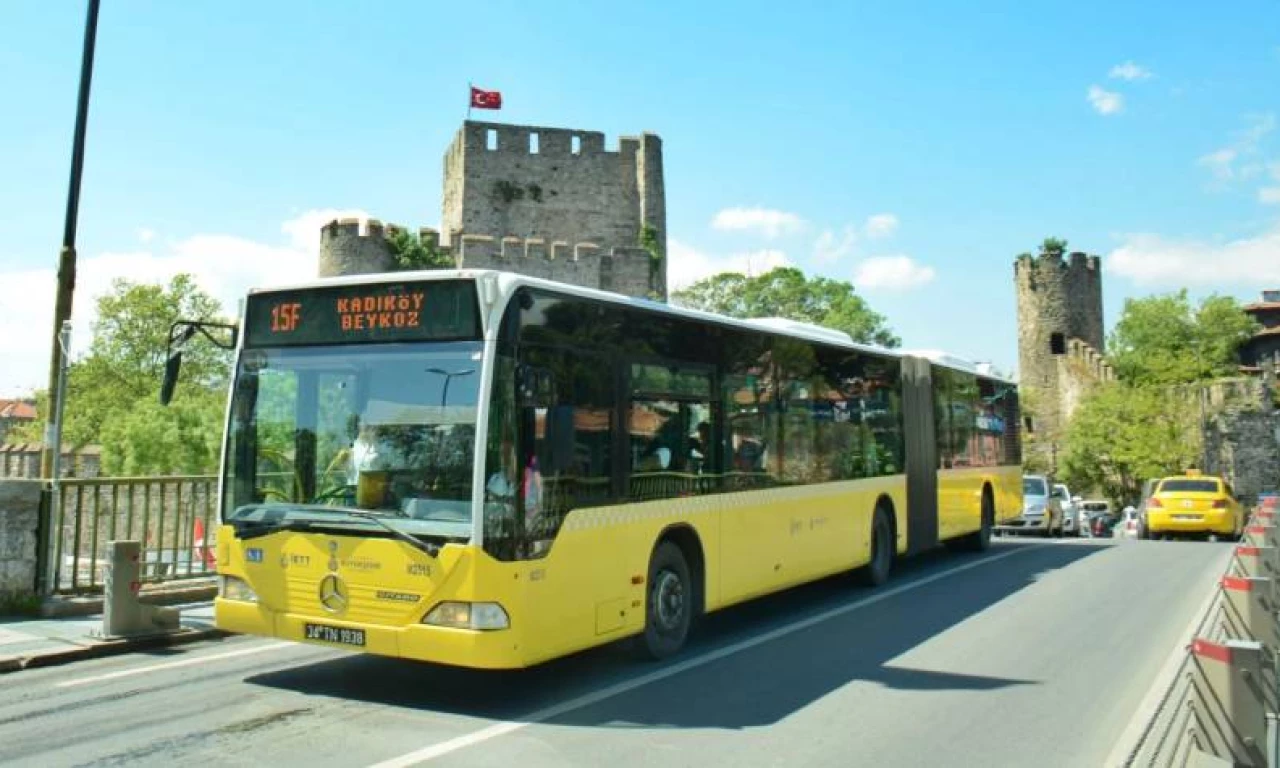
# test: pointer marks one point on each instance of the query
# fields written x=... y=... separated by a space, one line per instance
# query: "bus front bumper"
x=491 y=649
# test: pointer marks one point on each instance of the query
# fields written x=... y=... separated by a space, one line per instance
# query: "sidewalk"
x=37 y=642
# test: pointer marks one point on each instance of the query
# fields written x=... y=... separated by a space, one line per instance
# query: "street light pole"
x=67 y=256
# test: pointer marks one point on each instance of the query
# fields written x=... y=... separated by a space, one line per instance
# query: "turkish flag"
x=486 y=99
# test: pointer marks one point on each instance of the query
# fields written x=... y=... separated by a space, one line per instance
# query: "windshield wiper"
x=264 y=528
x=376 y=519
x=250 y=529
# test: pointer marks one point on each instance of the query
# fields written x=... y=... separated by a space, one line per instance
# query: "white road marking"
x=542 y=715
x=174 y=664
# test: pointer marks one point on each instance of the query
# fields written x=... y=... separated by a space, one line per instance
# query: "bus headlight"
x=232 y=588
x=461 y=615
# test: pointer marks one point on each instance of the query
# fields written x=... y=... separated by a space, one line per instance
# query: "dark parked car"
x=1102 y=524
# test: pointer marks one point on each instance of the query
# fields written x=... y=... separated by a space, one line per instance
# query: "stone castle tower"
x=547 y=202
x=1060 y=338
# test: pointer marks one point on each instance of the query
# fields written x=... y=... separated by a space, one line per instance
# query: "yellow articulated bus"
x=488 y=470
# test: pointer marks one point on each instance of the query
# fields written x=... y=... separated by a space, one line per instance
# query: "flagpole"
x=469 y=99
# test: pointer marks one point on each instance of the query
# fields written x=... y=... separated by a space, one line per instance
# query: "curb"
x=108 y=648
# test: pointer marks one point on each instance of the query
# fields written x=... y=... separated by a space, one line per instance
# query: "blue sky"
x=913 y=149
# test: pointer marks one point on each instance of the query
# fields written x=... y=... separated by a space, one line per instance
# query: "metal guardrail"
x=174 y=518
x=1224 y=696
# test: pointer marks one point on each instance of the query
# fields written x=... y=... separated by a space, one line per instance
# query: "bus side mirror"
x=171 y=368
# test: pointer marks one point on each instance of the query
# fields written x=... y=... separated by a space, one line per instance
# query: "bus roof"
x=509 y=282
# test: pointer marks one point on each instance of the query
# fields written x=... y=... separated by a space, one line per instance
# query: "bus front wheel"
x=669 y=603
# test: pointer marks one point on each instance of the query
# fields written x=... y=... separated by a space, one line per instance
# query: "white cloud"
x=1129 y=71
x=1271 y=195
x=687 y=265
x=880 y=225
x=891 y=273
x=769 y=222
x=1151 y=260
x=145 y=235
x=831 y=247
x=224 y=266
x=304 y=229
x=1105 y=102
x=1244 y=143
x=1259 y=126
x=1220 y=163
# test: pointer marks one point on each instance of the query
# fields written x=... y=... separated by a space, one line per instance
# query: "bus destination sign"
x=436 y=311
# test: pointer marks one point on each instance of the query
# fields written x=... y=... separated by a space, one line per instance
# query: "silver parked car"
x=1070 y=509
x=1041 y=510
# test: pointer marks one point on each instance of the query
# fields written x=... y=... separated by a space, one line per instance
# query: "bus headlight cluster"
x=232 y=588
x=460 y=615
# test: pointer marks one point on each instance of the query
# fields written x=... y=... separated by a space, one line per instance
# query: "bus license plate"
x=328 y=634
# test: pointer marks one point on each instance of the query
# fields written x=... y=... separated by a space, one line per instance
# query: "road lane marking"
x=173 y=664
x=542 y=715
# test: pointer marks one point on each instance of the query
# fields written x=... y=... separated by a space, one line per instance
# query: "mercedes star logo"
x=333 y=594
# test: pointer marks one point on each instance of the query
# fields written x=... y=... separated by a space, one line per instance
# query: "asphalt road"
x=1032 y=654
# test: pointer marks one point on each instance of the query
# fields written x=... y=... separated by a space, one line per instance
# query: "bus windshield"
x=379 y=428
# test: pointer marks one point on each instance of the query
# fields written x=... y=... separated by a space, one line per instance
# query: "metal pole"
x=54 y=447
x=67 y=256
x=59 y=402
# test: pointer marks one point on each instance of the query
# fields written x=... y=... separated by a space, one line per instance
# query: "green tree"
x=1122 y=434
x=1054 y=246
x=112 y=393
x=786 y=292
x=1163 y=339
x=411 y=252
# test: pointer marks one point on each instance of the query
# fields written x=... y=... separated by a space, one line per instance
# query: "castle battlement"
x=1089 y=360
x=350 y=246
x=1081 y=260
x=553 y=143
x=1077 y=261
x=548 y=202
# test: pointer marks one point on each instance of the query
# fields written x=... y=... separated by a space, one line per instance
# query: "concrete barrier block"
x=1250 y=611
x=123 y=614
x=1231 y=699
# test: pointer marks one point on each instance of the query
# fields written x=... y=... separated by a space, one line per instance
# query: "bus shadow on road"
x=748 y=666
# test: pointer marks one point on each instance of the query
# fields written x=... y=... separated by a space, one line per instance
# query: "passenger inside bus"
x=700 y=449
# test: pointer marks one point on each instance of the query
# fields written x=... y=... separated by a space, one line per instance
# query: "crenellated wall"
x=1078 y=371
x=548 y=202
x=348 y=248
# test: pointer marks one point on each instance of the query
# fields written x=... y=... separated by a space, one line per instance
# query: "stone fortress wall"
x=1060 y=333
x=547 y=202
x=352 y=247
x=1061 y=359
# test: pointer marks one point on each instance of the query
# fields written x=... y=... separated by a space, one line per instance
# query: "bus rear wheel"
x=980 y=540
x=876 y=572
x=669 y=603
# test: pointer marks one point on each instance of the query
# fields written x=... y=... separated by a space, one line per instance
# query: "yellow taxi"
x=1194 y=504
